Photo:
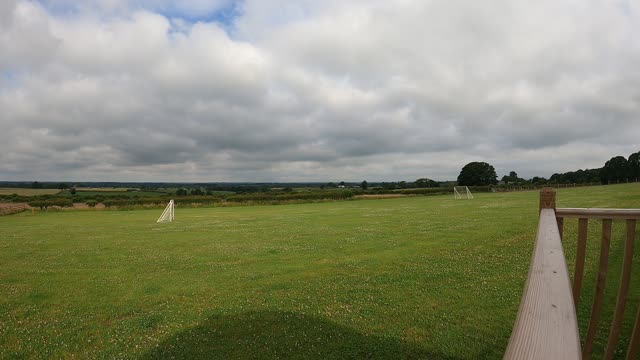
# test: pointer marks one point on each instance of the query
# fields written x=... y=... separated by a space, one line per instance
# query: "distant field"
x=108 y=189
x=28 y=192
x=106 y=192
x=413 y=277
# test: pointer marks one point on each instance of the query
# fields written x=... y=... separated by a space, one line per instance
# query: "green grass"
x=415 y=277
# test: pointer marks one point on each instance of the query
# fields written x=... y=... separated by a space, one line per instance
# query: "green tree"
x=634 y=166
x=425 y=183
x=63 y=186
x=477 y=174
x=364 y=185
x=615 y=170
x=538 y=180
x=181 y=192
x=512 y=178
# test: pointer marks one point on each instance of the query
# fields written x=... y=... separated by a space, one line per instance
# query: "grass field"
x=414 y=277
x=102 y=189
x=28 y=192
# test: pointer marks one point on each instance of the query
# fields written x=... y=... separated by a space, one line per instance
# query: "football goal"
x=167 y=214
x=462 y=192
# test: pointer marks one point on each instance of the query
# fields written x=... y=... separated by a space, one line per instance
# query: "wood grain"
x=600 y=283
x=597 y=213
x=546 y=325
x=634 y=346
x=623 y=290
x=580 y=256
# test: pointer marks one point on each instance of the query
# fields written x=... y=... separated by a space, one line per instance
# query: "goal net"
x=167 y=214
x=462 y=192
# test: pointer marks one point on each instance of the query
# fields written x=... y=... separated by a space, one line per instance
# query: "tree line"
x=617 y=170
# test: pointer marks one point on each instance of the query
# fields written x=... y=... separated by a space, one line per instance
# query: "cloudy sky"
x=309 y=90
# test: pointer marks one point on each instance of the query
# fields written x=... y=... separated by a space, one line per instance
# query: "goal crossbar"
x=168 y=213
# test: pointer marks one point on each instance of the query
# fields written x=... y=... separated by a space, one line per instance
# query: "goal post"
x=168 y=213
x=462 y=192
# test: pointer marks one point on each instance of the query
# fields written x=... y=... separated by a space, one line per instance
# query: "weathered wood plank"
x=623 y=290
x=597 y=213
x=634 y=345
x=600 y=283
x=546 y=326
x=560 y=222
x=580 y=256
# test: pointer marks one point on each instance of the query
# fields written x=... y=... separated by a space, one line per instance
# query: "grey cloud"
x=25 y=37
x=315 y=90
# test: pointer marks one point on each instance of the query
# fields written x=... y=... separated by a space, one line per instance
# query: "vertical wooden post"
x=600 y=284
x=580 y=256
x=623 y=290
x=548 y=201
x=547 y=198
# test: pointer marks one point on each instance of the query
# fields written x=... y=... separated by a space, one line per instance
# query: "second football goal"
x=462 y=192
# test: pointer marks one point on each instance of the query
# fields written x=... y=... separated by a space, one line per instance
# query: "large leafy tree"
x=615 y=170
x=634 y=166
x=511 y=178
x=477 y=173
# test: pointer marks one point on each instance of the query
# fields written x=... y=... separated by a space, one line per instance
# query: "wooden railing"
x=9 y=209
x=546 y=326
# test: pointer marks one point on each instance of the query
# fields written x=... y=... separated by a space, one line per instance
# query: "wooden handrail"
x=597 y=213
x=546 y=326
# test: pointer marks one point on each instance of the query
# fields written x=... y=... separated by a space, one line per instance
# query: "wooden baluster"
x=623 y=290
x=602 y=277
x=560 y=222
x=580 y=256
x=634 y=345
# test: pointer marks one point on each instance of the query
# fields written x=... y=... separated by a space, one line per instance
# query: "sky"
x=307 y=90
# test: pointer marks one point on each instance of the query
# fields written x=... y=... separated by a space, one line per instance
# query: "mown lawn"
x=418 y=277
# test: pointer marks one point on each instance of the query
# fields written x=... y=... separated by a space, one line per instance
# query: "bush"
x=44 y=204
x=39 y=204
x=62 y=202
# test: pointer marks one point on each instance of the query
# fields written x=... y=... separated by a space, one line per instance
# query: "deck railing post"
x=546 y=326
x=548 y=201
x=547 y=198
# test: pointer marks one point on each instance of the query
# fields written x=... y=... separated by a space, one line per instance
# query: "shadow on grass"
x=281 y=335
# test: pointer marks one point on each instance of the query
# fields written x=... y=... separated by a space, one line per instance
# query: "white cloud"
x=133 y=90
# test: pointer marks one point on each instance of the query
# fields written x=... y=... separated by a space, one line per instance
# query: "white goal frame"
x=462 y=192
x=168 y=214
